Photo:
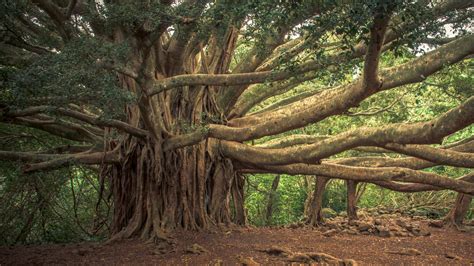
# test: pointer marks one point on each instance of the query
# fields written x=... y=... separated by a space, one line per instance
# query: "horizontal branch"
x=466 y=145
x=230 y=79
x=374 y=112
x=374 y=174
x=286 y=101
x=300 y=139
x=59 y=128
x=26 y=156
x=406 y=162
x=416 y=133
x=436 y=155
x=82 y=117
x=181 y=141
x=258 y=93
x=410 y=187
x=44 y=162
x=405 y=187
x=87 y=158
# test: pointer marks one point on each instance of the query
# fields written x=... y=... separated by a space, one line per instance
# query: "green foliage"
x=335 y=196
x=54 y=206
x=58 y=206
x=288 y=203
x=50 y=79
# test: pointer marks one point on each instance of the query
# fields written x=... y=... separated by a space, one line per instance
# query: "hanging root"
x=155 y=192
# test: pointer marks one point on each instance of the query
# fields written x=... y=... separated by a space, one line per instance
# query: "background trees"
x=175 y=101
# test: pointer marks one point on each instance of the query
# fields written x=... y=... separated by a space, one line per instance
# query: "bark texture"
x=351 y=200
x=458 y=212
x=314 y=215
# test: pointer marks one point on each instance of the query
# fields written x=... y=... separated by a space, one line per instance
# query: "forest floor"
x=415 y=243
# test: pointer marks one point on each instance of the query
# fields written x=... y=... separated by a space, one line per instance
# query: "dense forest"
x=133 y=119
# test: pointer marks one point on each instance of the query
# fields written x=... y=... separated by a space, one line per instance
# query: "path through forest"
x=261 y=245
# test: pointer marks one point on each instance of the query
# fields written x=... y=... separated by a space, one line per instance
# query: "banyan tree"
x=165 y=97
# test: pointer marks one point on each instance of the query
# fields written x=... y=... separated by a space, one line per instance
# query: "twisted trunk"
x=155 y=191
x=157 y=188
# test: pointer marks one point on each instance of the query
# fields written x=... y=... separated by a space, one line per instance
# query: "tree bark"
x=315 y=217
x=456 y=215
x=351 y=200
x=271 y=200
x=156 y=189
x=155 y=192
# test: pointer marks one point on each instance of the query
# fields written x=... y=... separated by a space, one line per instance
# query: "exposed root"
x=196 y=249
x=277 y=251
x=247 y=261
x=310 y=257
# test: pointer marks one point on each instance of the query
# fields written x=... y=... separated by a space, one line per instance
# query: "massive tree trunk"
x=314 y=215
x=157 y=187
x=190 y=188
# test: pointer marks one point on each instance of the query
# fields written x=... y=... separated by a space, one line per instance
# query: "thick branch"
x=406 y=162
x=417 y=133
x=436 y=155
x=300 y=139
x=258 y=93
x=53 y=161
x=371 y=174
x=82 y=117
x=229 y=79
x=59 y=128
x=87 y=158
x=340 y=99
x=374 y=49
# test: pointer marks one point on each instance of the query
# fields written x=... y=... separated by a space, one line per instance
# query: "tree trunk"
x=314 y=216
x=456 y=215
x=156 y=191
x=271 y=199
x=308 y=183
x=351 y=200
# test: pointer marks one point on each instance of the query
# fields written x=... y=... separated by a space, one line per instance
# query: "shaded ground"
x=234 y=246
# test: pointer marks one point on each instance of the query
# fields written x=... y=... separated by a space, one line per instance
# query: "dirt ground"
x=244 y=245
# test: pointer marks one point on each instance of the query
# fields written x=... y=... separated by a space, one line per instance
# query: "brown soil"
x=444 y=246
